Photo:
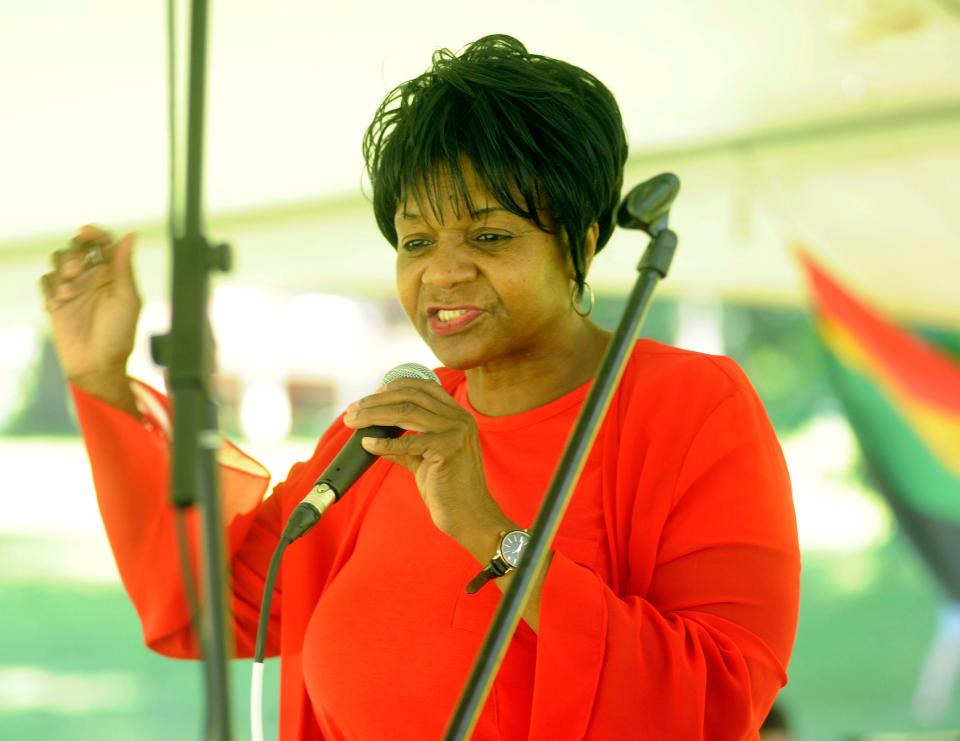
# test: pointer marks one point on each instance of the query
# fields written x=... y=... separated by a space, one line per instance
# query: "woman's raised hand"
x=93 y=303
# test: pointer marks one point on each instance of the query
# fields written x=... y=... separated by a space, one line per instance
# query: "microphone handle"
x=353 y=460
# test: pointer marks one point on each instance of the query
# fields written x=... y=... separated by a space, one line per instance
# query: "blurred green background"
x=832 y=126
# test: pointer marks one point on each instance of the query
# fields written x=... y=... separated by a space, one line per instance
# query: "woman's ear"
x=589 y=250
x=590 y=246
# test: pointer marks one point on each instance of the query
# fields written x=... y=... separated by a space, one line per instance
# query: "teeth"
x=445 y=315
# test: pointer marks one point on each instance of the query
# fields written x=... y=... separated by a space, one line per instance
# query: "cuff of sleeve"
x=570 y=649
x=154 y=409
x=151 y=405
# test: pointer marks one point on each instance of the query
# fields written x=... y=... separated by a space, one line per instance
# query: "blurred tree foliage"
x=777 y=347
x=661 y=322
x=780 y=352
x=45 y=407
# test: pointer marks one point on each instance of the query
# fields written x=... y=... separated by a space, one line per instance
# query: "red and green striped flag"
x=902 y=398
x=901 y=394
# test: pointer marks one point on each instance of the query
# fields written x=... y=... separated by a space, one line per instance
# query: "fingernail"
x=71 y=267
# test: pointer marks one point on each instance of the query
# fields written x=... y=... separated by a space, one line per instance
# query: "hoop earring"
x=577 y=300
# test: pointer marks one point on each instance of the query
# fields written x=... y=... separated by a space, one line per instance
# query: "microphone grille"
x=410 y=370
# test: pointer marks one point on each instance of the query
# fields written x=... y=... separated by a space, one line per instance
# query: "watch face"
x=512 y=547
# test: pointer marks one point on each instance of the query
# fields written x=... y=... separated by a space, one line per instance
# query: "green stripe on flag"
x=892 y=446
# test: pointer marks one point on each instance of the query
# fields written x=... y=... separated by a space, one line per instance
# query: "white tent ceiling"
x=835 y=122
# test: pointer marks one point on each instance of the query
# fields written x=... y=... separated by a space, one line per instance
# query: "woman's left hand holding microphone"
x=444 y=457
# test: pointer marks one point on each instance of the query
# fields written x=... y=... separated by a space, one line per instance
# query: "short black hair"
x=528 y=124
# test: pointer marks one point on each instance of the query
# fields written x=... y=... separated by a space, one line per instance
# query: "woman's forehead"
x=449 y=205
x=442 y=197
x=413 y=213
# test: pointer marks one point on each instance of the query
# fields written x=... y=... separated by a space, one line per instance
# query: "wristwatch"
x=512 y=545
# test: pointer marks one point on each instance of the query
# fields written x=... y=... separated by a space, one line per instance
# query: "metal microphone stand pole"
x=652 y=267
x=187 y=351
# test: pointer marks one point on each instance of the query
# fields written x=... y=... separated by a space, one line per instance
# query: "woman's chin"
x=457 y=361
x=460 y=357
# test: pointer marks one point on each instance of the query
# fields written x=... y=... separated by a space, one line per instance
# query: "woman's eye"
x=411 y=245
x=491 y=237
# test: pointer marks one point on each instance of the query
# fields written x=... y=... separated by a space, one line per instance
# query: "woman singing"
x=668 y=607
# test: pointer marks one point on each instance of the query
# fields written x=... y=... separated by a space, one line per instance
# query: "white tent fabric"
x=835 y=124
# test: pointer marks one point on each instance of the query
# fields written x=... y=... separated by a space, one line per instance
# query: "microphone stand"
x=653 y=266
x=187 y=351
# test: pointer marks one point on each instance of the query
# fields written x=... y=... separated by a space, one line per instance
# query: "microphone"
x=648 y=203
x=349 y=465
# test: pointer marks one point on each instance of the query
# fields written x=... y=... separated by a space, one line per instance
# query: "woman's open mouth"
x=450 y=320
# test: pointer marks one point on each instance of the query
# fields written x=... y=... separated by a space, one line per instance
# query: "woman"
x=668 y=607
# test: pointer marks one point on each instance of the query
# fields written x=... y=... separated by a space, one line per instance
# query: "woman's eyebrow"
x=413 y=215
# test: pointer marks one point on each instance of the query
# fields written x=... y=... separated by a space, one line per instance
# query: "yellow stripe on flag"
x=938 y=429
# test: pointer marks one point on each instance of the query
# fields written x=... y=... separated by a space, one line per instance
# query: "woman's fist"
x=93 y=303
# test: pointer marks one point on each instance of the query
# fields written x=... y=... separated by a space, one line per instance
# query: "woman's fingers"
x=86 y=241
x=90 y=260
x=48 y=284
x=70 y=253
x=56 y=289
x=74 y=279
x=411 y=445
x=93 y=233
x=430 y=388
x=428 y=394
x=410 y=406
x=121 y=260
x=403 y=414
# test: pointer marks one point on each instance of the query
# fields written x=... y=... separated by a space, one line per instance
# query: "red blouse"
x=668 y=611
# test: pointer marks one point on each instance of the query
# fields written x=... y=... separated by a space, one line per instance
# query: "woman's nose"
x=449 y=263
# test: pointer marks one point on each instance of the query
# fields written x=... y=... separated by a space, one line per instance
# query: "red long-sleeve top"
x=668 y=611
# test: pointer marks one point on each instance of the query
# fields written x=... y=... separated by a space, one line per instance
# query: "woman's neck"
x=497 y=390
